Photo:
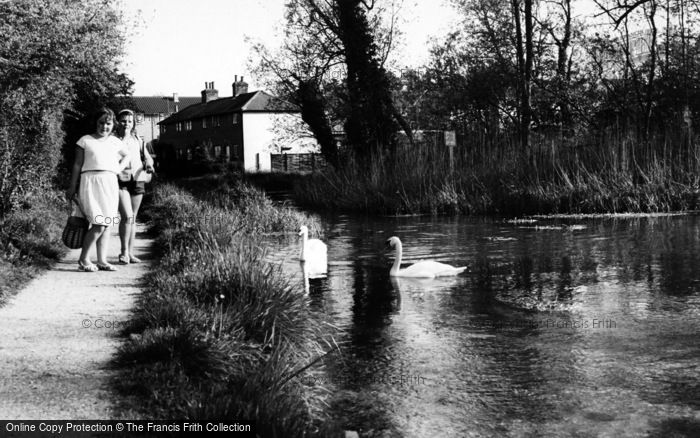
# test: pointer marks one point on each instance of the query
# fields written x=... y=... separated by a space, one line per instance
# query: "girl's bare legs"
x=93 y=235
x=126 y=225
x=103 y=246
x=135 y=205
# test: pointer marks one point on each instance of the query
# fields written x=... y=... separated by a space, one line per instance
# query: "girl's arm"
x=149 y=159
x=75 y=174
x=125 y=160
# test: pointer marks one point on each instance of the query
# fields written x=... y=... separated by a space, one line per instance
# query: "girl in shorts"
x=131 y=184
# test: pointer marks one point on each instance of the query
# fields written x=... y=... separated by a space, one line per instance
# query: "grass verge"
x=30 y=242
x=219 y=333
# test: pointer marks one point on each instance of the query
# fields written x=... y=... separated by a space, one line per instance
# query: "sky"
x=175 y=46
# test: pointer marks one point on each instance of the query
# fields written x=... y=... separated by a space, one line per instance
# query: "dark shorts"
x=133 y=187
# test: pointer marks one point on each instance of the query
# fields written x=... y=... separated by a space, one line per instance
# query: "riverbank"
x=58 y=338
x=219 y=332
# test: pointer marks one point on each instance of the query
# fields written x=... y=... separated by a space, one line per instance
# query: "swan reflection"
x=311 y=272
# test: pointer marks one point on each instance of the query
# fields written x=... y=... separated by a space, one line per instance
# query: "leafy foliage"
x=332 y=65
x=57 y=58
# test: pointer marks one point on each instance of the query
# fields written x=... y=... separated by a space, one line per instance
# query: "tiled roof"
x=161 y=104
x=257 y=101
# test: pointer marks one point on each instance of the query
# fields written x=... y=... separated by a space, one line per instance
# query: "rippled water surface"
x=559 y=327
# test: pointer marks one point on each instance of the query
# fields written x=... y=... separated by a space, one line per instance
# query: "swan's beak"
x=388 y=243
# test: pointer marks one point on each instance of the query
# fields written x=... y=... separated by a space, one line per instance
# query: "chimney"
x=209 y=93
x=239 y=87
x=176 y=101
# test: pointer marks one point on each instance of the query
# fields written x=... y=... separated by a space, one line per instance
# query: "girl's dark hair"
x=104 y=111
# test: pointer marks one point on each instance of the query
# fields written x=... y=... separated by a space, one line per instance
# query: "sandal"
x=124 y=259
x=134 y=259
x=105 y=267
x=87 y=267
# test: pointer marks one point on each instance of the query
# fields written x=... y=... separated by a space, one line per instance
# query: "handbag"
x=76 y=228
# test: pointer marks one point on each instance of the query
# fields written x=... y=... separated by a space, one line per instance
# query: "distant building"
x=254 y=130
x=152 y=109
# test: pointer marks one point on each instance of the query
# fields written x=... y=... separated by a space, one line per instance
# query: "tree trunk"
x=652 y=69
x=313 y=112
x=524 y=68
x=370 y=126
x=563 y=68
x=527 y=94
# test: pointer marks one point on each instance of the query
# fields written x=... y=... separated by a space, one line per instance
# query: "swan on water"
x=424 y=269
x=313 y=251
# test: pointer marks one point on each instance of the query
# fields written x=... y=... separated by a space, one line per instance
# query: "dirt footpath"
x=59 y=333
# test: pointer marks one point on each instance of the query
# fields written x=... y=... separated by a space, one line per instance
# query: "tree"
x=525 y=61
x=331 y=64
x=57 y=57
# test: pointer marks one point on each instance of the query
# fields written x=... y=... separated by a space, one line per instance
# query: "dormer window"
x=235 y=119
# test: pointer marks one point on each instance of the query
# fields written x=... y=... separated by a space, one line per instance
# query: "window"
x=228 y=152
x=235 y=119
x=178 y=127
x=188 y=125
x=189 y=154
x=235 y=152
x=204 y=122
x=217 y=151
x=215 y=121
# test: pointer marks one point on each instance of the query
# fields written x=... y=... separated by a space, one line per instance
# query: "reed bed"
x=219 y=333
x=609 y=174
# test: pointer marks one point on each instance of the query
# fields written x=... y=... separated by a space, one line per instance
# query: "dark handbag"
x=75 y=229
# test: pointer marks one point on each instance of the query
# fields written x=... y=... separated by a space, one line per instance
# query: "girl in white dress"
x=99 y=157
x=132 y=184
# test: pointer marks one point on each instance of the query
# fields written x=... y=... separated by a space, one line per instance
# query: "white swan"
x=313 y=251
x=425 y=269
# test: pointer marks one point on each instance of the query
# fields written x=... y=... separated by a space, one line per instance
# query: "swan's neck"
x=397 y=259
x=303 y=246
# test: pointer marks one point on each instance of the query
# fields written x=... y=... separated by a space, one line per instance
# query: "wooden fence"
x=297 y=162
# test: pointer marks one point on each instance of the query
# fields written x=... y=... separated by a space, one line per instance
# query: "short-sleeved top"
x=135 y=168
x=102 y=154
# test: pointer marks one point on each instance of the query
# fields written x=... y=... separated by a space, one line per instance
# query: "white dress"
x=99 y=190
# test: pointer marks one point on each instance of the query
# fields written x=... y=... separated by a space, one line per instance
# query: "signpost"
x=451 y=142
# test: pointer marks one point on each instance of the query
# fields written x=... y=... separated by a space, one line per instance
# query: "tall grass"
x=219 y=332
x=608 y=174
x=30 y=240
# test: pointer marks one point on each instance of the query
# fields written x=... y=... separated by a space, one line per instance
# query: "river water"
x=560 y=327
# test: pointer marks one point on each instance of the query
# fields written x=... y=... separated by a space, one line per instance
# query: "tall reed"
x=607 y=174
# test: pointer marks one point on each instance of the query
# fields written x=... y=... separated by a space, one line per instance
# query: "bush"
x=30 y=241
